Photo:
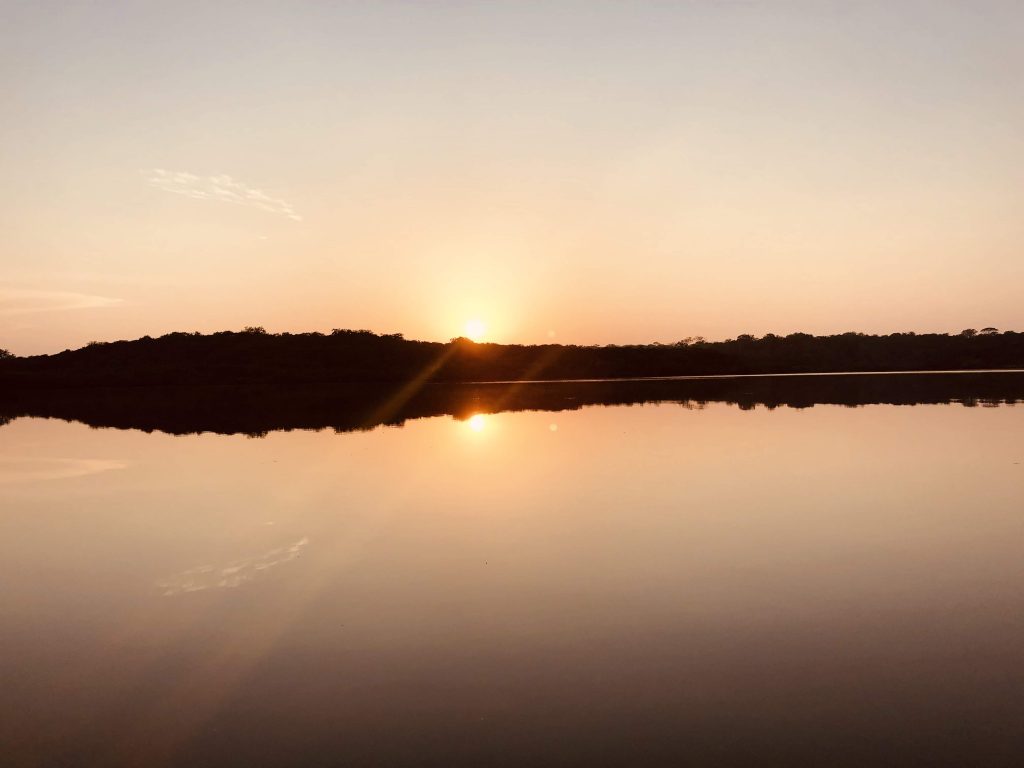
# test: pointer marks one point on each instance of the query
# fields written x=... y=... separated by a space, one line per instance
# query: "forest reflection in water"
x=349 y=407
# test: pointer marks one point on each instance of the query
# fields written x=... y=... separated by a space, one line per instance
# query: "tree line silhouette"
x=253 y=356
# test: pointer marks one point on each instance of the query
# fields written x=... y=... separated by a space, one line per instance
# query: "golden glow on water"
x=662 y=559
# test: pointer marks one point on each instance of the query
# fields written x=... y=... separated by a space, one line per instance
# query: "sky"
x=583 y=172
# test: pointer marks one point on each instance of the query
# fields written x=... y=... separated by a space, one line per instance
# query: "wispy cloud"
x=222 y=188
x=17 y=301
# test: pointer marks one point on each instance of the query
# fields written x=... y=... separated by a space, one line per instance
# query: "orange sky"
x=585 y=172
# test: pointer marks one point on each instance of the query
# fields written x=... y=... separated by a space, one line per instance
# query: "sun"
x=477 y=422
x=475 y=329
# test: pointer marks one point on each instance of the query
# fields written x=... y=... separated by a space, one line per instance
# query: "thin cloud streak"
x=25 y=302
x=221 y=188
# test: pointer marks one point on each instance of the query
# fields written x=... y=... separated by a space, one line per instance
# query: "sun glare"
x=477 y=422
x=475 y=329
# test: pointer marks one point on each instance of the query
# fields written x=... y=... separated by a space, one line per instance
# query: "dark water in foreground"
x=747 y=572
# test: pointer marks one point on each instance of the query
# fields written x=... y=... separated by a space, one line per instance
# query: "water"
x=684 y=577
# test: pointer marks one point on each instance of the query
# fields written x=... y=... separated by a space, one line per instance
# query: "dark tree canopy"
x=256 y=356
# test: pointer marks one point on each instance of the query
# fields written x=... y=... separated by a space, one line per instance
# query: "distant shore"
x=254 y=356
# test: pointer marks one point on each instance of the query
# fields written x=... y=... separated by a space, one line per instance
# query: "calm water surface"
x=647 y=584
